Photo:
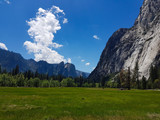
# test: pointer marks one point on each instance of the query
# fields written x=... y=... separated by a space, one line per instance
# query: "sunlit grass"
x=78 y=104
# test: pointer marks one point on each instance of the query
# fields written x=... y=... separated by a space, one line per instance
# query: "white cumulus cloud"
x=87 y=64
x=3 y=46
x=56 y=45
x=96 y=37
x=57 y=10
x=42 y=30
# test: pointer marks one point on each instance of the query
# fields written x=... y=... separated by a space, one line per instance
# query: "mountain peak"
x=149 y=12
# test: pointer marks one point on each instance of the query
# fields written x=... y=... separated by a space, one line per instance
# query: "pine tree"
x=17 y=70
x=47 y=76
x=144 y=83
x=36 y=75
x=129 y=79
x=122 y=79
x=118 y=81
x=138 y=84
x=137 y=71
x=103 y=81
x=93 y=84
x=153 y=74
x=29 y=74
x=136 y=75
x=81 y=80
x=4 y=71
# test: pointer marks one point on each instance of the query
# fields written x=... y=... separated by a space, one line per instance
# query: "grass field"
x=78 y=104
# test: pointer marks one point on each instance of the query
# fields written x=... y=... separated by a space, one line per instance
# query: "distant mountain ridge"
x=9 y=60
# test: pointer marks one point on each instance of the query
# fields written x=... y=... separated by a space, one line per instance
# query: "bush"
x=45 y=83
x=20 y=80
x=68 y=82
x=156 y=84
x=54 y=83
x=6 y=80
x=36 y=82
x=30 y=83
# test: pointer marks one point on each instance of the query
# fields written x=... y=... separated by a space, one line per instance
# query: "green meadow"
x=78 y=104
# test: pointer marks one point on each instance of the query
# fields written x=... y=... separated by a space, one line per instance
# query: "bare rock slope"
x=127 y=46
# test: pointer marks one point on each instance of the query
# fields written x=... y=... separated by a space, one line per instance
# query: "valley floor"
x=78 y=104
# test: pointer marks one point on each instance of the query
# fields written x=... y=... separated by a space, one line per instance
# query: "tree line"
x=131 y=80
x=15 y=78
x=125 y=79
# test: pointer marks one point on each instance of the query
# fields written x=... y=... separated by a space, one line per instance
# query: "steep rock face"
x=9 y=60
x=127 y=46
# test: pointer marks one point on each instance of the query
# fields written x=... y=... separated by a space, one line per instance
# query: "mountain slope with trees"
x=9 y=60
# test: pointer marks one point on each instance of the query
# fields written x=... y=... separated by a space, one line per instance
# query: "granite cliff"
x=141 y=44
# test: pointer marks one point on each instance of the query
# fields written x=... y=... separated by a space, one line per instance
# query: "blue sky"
x=89 y=24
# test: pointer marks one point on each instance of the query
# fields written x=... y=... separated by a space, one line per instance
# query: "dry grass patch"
x=154 y=116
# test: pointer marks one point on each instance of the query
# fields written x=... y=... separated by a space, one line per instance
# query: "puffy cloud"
x=65 y=21
x=96 y=37
x=87 y=64
x=7 y=1
x=3 y=46
x=56 y=45
x=82 y=60
x=57 y=10
x=43 y=53
x=42 y=30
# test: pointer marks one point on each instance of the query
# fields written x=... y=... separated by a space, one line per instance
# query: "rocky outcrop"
x=9 y=60
x=127 y=46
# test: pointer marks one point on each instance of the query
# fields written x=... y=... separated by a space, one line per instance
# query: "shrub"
x=45 y=83
x=54 y=83
x=68 y=82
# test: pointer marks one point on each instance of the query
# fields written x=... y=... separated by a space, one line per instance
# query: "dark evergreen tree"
x=13 y=72
x=17 y=70
x=47 y=76
x=136 y=76
x=153 y=73
x=144 y=83
x=93 y=84
x=117 y=80
x=81 y=81
x=129 y=79
x=36 y=74
x=29 y=74
x=138 y=84
x=4 y=71
x=122 y=79
x=103 y=81
x=59 y=78
x=137 y=71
